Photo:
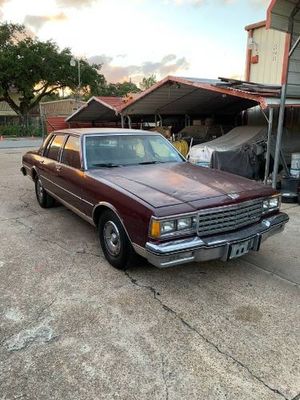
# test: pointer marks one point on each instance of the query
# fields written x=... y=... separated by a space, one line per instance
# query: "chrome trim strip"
x=66 y=190
x=112 y=208
x=83 y=148
x=72 y=208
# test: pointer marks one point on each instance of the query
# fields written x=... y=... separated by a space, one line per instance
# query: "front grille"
x=228 y=218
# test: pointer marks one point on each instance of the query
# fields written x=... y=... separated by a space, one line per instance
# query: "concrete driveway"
x=72 y=327
x=20 y=143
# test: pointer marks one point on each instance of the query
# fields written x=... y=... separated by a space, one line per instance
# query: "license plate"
x=239 y=249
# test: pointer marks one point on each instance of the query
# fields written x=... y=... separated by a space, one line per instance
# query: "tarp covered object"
x=244 y=162
x=233 y=140
x=238 y=151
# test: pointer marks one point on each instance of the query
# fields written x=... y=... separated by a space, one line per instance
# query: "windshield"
x=120 y=150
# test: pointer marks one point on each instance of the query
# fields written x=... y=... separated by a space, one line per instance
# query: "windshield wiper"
x=149 y=162
x=107 y=165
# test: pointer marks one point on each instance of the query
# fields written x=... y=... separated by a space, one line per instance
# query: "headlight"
x=184 y=223
x=162 y=228
x=271 y=204
x=167 y=227
x=274 y=202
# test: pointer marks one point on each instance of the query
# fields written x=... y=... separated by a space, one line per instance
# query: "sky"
x=136 y=38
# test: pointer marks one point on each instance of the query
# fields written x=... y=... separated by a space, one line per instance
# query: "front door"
x=70 y=173
x=49 y=168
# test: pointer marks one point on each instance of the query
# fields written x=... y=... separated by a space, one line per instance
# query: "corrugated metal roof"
x=279 y=13
x=113 y=101
x=195 y=96
x=101 y=108
x=180 y=96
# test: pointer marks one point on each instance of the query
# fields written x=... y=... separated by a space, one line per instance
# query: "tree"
x=148 y=82
x=115 y=89
x=34 y=69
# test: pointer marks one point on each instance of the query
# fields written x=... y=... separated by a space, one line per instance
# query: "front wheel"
x=44 y=199
x=114 y=240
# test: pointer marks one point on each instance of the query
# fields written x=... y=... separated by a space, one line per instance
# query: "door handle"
x=41 y=161
x=58 y=168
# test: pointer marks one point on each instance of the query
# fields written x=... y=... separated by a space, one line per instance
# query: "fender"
x=112 y=208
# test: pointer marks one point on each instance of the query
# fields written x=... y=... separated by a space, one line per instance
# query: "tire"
x=44 y=199
x=114 y=241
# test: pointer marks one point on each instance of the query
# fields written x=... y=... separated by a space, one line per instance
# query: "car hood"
x=175 y=183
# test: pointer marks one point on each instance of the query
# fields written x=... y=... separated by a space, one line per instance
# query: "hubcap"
x=40 y=190
x=112 y=238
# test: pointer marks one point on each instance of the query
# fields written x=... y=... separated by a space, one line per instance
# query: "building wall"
x=294 y=65
x=269 y=46
x=63 y=107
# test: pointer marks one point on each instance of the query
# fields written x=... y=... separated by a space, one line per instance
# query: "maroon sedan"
x=144 y=197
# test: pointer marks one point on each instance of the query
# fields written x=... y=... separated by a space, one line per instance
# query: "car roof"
x=105 y=131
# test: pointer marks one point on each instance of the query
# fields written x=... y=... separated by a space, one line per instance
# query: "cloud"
x=260 y=3
x=198 y=3
x=169 y=64
x=37 y=21
x=195 y=3
x=75 y=3
x=2 y=2
x=102 y=59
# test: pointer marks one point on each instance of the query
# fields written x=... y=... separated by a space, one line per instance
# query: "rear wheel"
x=114 y=240
x=44 y=199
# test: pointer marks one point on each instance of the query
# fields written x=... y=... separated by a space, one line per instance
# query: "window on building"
x=71 y=152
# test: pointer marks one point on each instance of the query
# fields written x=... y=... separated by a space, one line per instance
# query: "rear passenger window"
x=48 y=145
x=71 y=153
x=55 y=146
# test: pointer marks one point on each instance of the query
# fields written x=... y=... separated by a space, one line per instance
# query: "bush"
x=18 y=131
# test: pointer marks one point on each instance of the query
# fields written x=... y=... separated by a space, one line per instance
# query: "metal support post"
x=268 y=154
x=279 y=134
x=294 y=46
x=42 y=121
x=129 y=121
x=160 y=119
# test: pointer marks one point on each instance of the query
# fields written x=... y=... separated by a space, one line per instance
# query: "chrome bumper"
x=213 y=247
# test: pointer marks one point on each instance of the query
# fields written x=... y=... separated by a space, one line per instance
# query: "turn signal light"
x=155 y=229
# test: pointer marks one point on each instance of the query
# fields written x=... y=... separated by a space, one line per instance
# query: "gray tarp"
x=239 y=151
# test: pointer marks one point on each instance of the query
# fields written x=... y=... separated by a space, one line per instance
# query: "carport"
x=97 y=109
x=193 y=97
x=196 y=98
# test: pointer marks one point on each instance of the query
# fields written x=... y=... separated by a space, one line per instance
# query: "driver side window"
x=71 y=152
